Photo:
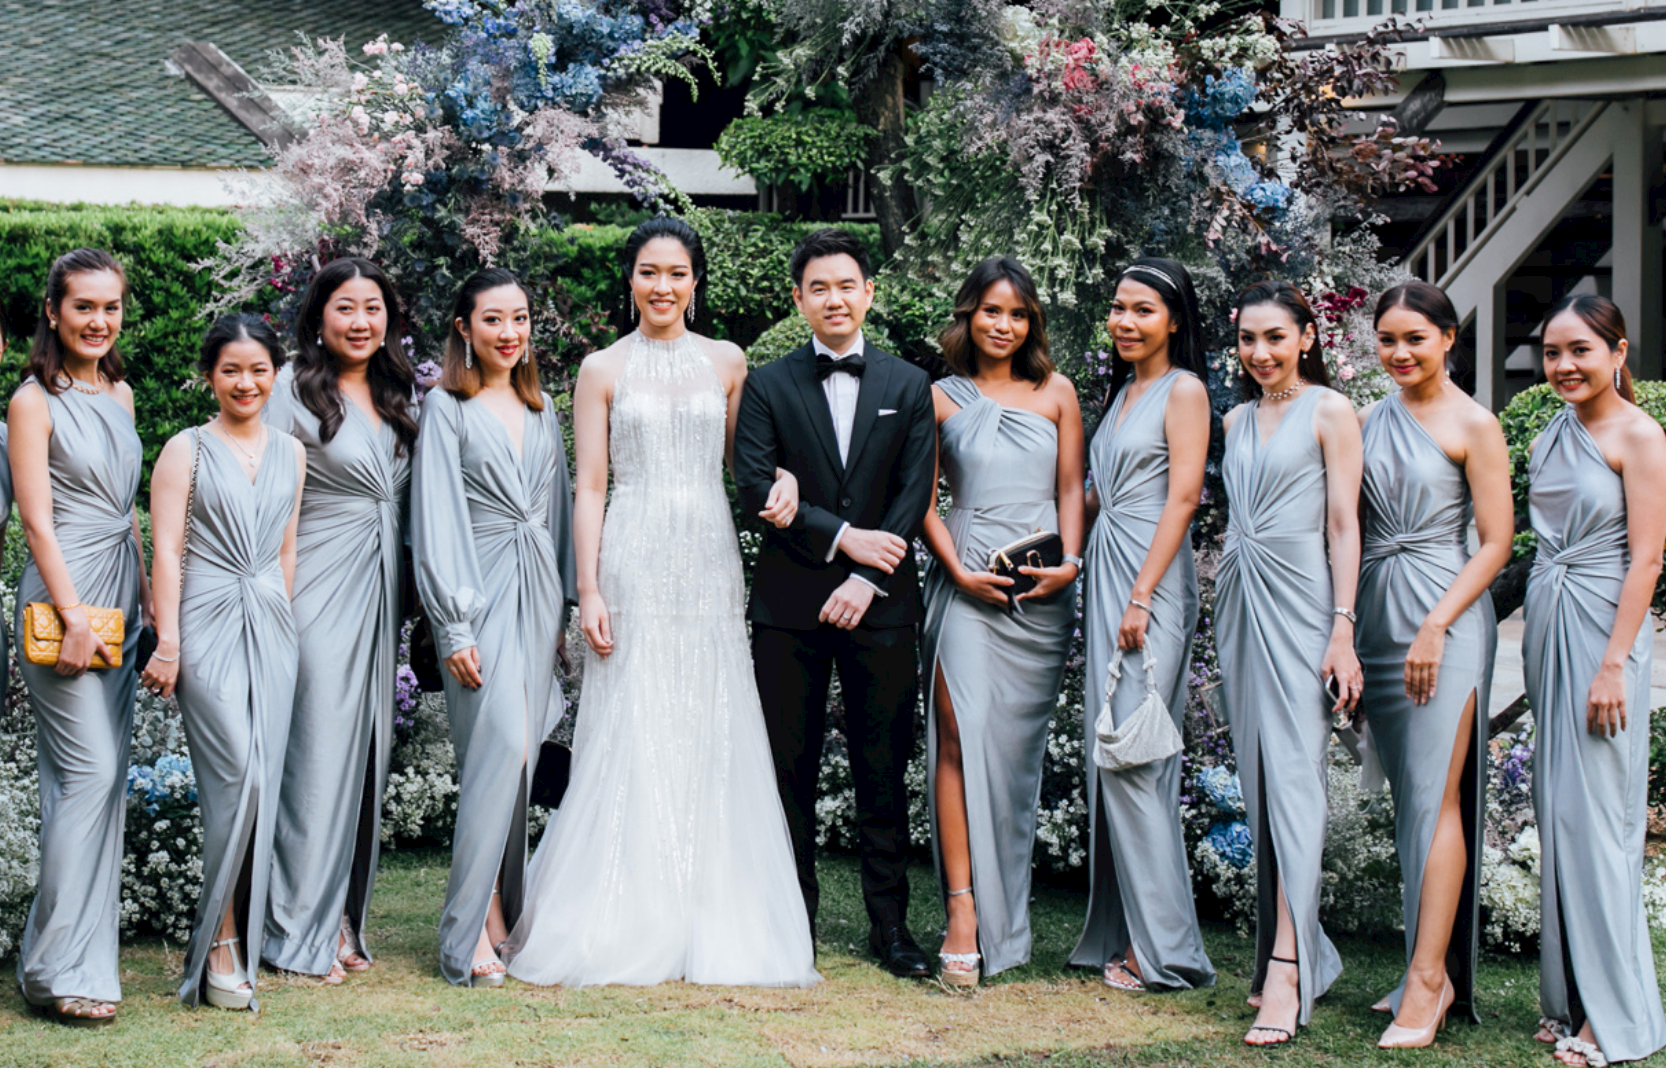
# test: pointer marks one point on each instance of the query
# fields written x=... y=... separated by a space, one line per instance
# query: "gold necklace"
x=225 y=435
x=77 y=385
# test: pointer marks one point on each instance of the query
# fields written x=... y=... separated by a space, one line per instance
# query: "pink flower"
x=391 y=118
x=401 y=88
x=360 y=117
x=360 y=83
x=413 y=179
x=1345 y=372
x=376 y=48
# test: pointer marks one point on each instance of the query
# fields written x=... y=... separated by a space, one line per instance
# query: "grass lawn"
x=402 y=1013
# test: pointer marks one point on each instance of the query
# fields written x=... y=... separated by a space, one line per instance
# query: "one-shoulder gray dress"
x=346 y=607
x=1589 y=790
x=1003 y=670
x=83 y=725
x=237 y=664
x=1272 y=624
x=1140 y=886
x=491 y=529
x=1415 y=535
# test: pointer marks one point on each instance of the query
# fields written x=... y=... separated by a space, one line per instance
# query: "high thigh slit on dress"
x=1414 y=542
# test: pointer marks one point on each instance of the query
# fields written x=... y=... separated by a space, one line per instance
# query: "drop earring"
x=632 y=299
x=468 y=357
x=1617 y=384
x=689 y=312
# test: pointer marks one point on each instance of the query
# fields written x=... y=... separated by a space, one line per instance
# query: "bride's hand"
x=782 y=504
x=593 y=620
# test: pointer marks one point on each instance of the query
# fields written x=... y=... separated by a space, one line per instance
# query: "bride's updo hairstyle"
x=662 y=226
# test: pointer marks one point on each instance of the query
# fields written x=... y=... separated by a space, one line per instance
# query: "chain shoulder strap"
x=191 y=494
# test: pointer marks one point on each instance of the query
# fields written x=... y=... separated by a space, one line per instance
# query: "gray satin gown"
x=83 y=725
x=237 y=664
x=1417 y=511
x=1004 y=671
x=346 y=607
x=1272 y=624
x=1589 y=790
x=1140 y=886
x=492 y=532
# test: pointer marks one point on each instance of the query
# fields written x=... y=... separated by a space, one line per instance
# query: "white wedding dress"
x=669 y=858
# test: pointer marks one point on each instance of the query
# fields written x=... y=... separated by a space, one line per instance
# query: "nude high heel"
x=223 y=991
x=972 y=961
x=1397 y=1037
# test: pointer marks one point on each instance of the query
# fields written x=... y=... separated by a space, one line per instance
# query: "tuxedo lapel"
x=875 y=380
x=818 y=416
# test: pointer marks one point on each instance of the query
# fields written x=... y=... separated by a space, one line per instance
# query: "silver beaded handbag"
x=1146 y=736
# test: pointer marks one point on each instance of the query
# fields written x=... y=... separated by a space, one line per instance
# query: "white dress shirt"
x=841 y=391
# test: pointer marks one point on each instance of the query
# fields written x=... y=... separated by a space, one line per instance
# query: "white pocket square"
x=887 y=411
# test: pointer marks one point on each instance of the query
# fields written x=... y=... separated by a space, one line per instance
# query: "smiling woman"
x=225 y=501
x=75 y=458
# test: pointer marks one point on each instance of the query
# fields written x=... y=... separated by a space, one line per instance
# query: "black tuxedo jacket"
x=885 y=484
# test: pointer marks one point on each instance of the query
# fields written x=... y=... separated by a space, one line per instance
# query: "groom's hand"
x=850 y=601
x=873 y=548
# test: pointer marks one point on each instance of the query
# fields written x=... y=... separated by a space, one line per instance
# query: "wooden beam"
x=1615 y=40
x=1472 y=50
x=230 y=86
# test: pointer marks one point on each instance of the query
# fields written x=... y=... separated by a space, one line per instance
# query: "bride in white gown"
x=669 y=858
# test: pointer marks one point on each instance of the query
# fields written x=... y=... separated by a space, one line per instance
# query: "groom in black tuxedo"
x=838 y=587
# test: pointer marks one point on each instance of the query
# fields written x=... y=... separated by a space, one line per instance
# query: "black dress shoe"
x=898 y=952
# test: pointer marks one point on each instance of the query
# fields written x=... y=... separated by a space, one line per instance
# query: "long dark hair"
x=456 y=376
x=677 y=230
x=1603 y=316
x=1173 y=284
x=1031 y=362
x=46 y=354
x=318 y=381
x=234 y=327
x=1311 y=365
x=1429 y=301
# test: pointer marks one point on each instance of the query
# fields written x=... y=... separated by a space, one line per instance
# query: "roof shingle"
x=85 y=81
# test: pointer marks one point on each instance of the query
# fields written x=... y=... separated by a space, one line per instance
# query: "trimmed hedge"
x=163 y=323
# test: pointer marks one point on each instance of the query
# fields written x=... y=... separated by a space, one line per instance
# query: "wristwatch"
x=1072 y=558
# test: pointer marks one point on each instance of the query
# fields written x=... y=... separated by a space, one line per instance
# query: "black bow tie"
x=852 y=365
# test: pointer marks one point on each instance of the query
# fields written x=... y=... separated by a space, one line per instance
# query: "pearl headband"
x=1142 y=268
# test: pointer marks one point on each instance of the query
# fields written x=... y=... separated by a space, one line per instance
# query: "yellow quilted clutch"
x=43 y=633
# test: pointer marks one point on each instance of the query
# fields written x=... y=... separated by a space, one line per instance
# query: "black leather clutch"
x=1040 y=549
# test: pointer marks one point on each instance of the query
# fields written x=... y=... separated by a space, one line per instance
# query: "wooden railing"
x=1510 y=169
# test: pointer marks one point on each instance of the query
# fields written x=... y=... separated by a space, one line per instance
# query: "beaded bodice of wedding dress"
x=669 y=858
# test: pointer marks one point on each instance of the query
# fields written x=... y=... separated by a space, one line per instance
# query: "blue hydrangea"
x=170 y=779
x=1222 y=790
x=1231 y=842
x=1222 y=100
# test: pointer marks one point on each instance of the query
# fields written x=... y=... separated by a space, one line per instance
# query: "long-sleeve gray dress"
x=1003 y=671
x=346 y=607
x=237 y=663
x=1415 y=530
x=492 y=532
x=1272 y=625
x=83 y=725
x=1589 y=790
x=1140 y=886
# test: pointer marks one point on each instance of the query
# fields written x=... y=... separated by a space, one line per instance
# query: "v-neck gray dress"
x=346 y=607
x=1415 y=541
x=1272 y=624
x=492 y=533
x=83 y=725
x=1140 y=886
x=237 y=664
x=1590 y=791
x=1003 y=670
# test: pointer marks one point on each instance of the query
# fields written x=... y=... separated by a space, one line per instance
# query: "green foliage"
x=164 y=319
x=805 y=150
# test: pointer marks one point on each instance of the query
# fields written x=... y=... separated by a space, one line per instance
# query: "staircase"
x=1488 y=229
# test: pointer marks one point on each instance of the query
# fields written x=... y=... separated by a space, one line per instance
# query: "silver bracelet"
x=1345 y=613
x=1140 y=605
x=165 y=659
